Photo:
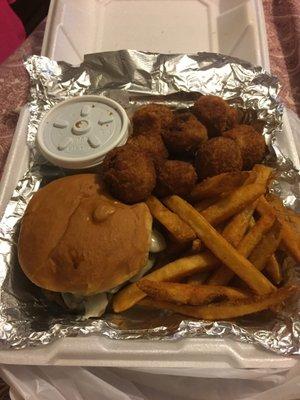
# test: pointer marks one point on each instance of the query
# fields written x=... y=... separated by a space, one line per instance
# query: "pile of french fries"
x=232 y=232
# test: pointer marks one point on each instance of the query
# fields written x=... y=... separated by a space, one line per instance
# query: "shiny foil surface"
x=133 y=78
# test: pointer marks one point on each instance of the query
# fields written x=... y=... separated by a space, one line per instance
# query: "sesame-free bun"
x=75 y=238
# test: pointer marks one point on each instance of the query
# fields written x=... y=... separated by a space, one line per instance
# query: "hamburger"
x=78 y=241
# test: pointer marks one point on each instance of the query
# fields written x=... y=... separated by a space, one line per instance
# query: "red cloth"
x=12 y=32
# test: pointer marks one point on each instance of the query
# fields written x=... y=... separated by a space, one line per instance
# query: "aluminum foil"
x=132 y=78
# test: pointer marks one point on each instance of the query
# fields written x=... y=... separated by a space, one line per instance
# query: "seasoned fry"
x=182 y=293
x=223 y=275
x=218 y=184
x=266 y=247
x=290 y=236
x=198 y=278
x=196 y=246
x=255 y=235
x=233 y=203
x=236 y=228
x=173 y=271
x=237 y=200
x=273 y=270
x=228 y=309
x=220 y=247
x=205 y=203
x=263 y=174
x=178 y=229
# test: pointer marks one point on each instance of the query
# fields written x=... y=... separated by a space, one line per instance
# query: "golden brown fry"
x=290 y=236
x=233 y=203
x=263 y=174
x=173 y=271
x=223 y=275
x=255 y=235
x=220 y=247
x=196 y=246
x=252 y=222
x=205 y=203
x=273 y=270
x=266 y=247
x=218 y=184
x=226 y=310
x=178 y=229
x=236 y=228
x=198 y=279
x=182 y=293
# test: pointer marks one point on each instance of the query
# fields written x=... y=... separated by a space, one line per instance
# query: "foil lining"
x=133 y=78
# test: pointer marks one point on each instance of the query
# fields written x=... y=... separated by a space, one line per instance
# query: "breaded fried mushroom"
x=251 y=143
x=129 y=174
x=218 y=155
x=150 y=119
x=184 y=135
x=175 y=177
x=152 y=145
x=215 y=114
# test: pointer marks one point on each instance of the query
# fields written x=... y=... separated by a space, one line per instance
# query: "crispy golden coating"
x=251 y=143
x=184 y=135
x=129 y=174
x=152 y=145
x=146 y=123
x=150 y=119
x=215 y=114
x=175 y=177
x=218 y=155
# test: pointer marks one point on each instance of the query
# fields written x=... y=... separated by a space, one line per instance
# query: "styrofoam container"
x=74 y=28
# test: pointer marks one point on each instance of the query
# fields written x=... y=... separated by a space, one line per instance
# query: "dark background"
x=31 y=12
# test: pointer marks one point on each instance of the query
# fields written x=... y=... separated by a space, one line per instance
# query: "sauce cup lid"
x=79 y=132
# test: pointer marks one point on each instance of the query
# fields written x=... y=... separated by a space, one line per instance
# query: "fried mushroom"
x=184 y=135
x=175 y=177
x=218 y=155
x=215 y=114
x=129 y=174
x=251 y=143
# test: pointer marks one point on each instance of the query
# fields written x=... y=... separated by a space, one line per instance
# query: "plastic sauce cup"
x=79 y=132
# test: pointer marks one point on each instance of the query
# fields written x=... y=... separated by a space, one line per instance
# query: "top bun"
x=75 y=238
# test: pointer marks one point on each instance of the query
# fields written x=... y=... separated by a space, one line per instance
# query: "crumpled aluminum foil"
x=133 y=78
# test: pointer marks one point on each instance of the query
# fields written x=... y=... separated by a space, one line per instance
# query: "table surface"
x=283 y=32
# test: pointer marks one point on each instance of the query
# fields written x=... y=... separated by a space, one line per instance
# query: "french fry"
x=236 y=228
x=196 y=246
x=294 y=219
x=182 y=293
x=178 y=229
x=173 y=271
x=252 y=222
x=223 y=275
x=233 y=203
x=273 y=270
x=255 y=235
x=263 y=174
x=198 y=279
x=220 y=247
x=205 y=203
x=228 y=309
x=238 y=199
x=266 y=247
x=218 y=184
x=290 y=236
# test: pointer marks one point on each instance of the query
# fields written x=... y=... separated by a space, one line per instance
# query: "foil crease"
x=133 y=78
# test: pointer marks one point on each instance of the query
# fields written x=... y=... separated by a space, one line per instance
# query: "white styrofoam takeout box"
x=74 y=28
